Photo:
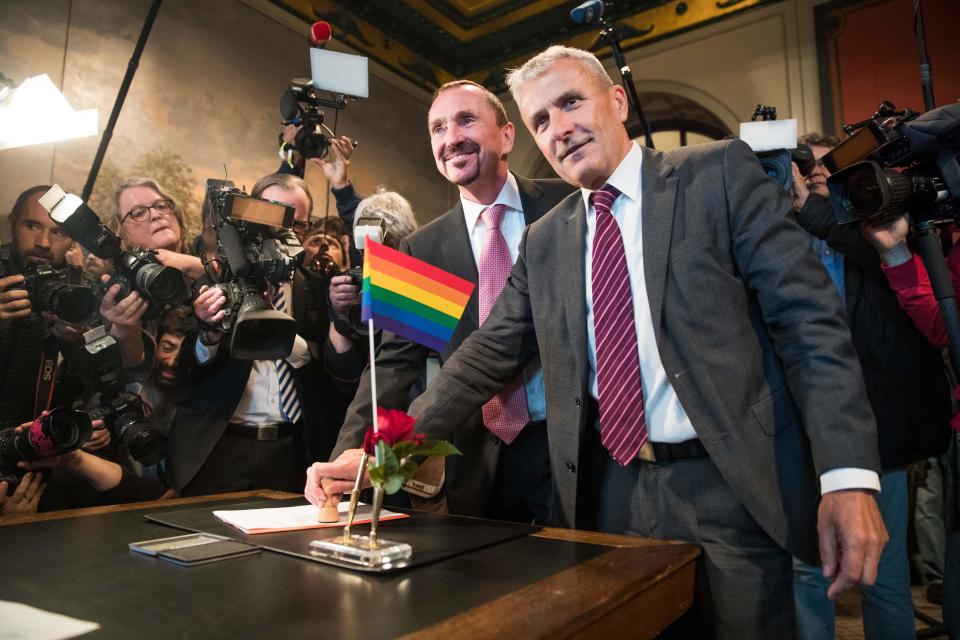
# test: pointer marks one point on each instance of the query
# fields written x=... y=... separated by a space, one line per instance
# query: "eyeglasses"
x=139 y=214
x=300 y=227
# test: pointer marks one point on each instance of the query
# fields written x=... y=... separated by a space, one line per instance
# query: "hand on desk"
x=327 y=480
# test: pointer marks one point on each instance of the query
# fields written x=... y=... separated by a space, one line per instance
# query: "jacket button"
x=577 y=401
x=572 y=468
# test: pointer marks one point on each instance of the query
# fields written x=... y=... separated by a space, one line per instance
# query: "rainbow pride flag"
x=411 y=298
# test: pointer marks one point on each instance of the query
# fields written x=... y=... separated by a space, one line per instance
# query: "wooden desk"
x=553 y=584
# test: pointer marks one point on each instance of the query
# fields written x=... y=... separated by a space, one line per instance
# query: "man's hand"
x=14 y=303
x=343 y=295
x=290 y=132
x=208 y=306
x=335 y=165
x=99 y=437
x=327 y=480
x=852 y=537
x=800 y=190
x=884 y=236
x=25 y=497
x=62 y=330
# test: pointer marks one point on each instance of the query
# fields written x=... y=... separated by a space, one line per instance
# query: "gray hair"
x=395 y=211
x=538 y=65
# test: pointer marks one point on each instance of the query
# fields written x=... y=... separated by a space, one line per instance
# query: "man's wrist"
x=896 y=255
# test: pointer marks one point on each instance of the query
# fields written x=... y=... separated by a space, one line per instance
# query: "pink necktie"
x=505 y=414
x=623 y=426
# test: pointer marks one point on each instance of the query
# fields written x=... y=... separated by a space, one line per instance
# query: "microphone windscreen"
x=289 y=106
x=587 y=12
x=321 y=33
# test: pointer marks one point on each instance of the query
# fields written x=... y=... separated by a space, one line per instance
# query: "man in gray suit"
x=744 y=381
x=471 y=137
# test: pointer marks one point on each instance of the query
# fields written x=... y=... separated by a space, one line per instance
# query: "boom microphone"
x=321 y=33
x=587 y=12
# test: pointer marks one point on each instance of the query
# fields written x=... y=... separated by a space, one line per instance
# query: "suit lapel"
x=658 y=201
x=459 y=260
x=570 y=270
x=530 y=195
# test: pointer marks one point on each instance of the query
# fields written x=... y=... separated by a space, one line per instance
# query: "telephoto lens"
x=54 y=433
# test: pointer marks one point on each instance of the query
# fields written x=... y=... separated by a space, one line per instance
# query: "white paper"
x=22 y=622
x=268 y=520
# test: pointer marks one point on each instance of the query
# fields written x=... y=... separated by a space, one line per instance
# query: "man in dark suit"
x=240 y=425
x=731 y=379
x=471 y=138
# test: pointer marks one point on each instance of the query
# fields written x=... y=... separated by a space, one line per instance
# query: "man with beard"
x=166 y=386
x=505 y=471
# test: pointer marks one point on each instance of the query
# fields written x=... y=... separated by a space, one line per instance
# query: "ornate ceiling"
x=430 y=42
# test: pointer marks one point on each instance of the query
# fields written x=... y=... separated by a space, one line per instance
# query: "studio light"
x=36 y=112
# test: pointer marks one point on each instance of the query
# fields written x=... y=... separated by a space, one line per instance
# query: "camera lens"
x=163 y=284
x=146 y=444
x=864 y=193
x=70 y=303
x=312 y=144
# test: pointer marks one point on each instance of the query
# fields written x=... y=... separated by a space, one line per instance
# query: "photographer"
x=105 y=482
x=240 y=426
x=907 y=391
x=24 y=334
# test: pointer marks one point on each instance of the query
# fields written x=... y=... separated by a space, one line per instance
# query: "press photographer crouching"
x=31 y=452
x=908 y=393
x=240 y=425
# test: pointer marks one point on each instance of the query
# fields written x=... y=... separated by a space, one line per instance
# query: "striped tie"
x=623 y=426
x=506 y=413
x=289 y=401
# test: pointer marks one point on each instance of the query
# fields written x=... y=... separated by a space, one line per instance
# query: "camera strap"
x=46 y=375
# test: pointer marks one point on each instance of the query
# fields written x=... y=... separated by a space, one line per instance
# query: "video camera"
x=344 y=76
x=135 y=270
x=54 y=433
x=121 y=411
x=897 y=161
x=256 y=248
x=775 y=143
x=49 y=289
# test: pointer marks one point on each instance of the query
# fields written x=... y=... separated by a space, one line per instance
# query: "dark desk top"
x=81 y=567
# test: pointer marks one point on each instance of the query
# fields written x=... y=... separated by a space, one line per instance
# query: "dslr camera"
x=121 y=411
x=49 y=289
x=256 y=248
x=54 y=433
x=135 y=270
x=897 y=161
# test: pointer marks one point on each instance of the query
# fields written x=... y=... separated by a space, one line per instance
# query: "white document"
x=253 y=521
x=22 y=622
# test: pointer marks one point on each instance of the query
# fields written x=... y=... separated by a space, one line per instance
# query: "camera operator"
x=908 y=393
x=240 y=426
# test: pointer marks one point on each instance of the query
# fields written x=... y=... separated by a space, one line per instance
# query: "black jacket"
x=904 y=373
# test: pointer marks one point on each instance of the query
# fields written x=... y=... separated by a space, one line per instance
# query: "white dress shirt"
x=667 y=421
x=511 y=227
x=260 y=400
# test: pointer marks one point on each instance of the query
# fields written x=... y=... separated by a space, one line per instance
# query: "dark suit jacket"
x=748 y=329
x=400 y=363
x=903 y=372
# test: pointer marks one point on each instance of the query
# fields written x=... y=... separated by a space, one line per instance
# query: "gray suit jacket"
x=445 y=243
x=747 y=324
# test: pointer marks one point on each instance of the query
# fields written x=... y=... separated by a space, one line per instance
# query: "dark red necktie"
x=623 y=425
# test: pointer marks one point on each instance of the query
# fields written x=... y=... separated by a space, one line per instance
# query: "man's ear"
x=620 y=97
x=508 y=134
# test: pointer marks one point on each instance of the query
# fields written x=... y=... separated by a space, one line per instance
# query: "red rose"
x=394 y=426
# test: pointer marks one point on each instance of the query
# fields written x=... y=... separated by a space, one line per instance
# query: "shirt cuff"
x=204 y=353
x=849 y=478
x=907 y=275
